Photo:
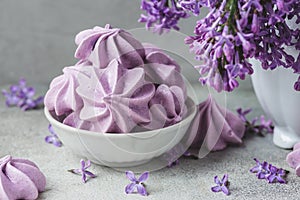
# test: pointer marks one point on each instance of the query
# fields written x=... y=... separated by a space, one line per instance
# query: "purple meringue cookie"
x=157 y=55
x=293 y=158
x=215 y=127
x=102 y=45
x=162 y=69
x=20 y=179
x=167 y=107
x=110 y=88
x=115 y=99
x=61 y=96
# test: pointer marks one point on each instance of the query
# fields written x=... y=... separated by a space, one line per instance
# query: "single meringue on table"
x=293 y=158
x=20 y=179
x=215 y=127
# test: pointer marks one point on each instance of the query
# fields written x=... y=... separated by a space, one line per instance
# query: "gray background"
x=37 y=41
x=37 y=36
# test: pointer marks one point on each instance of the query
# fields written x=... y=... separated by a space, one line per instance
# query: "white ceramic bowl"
x=122 y=150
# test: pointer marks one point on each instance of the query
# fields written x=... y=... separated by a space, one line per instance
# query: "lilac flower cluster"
x=269 y=172
x=244 y=29
x=232 y=32
x=22 y=96
x=162 y=15
x=265 y=126
x=275 y=32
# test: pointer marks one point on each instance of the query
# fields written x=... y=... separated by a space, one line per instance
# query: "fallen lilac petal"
x=277 y=175
x=265 y=126
x=130 y=188
x=222 y=185
x=242 y=113
x=141 y=190
x=136 y=183
x=83 y=170
x=53 y=138
x=130 y=175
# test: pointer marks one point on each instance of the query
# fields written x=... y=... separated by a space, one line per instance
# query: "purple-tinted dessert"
x=118 y=84
x=215 y=127
x=293 y=158
x=20 y=179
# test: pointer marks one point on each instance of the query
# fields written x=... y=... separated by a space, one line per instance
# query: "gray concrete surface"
x=37 y=40
x=22 y=135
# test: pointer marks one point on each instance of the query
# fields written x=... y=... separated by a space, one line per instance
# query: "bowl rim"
x=93 y=133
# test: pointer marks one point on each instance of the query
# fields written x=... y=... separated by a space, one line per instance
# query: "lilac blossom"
x=53 y=138
x=222 y=185
x=162 y=15
x=276 y=175
x=264 y=126
x=272 y=33
x=231 y=33
x=83 y=170
x=269 y=172
x=221 y=50
x=136 y=183
x=261 y=169
x=22 y=96
x=242 y=113
x=193 y=6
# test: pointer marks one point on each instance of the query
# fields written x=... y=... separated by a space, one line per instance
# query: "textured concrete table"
x=22 y=135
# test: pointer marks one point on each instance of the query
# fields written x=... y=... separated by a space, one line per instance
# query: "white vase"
x=275 y=92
